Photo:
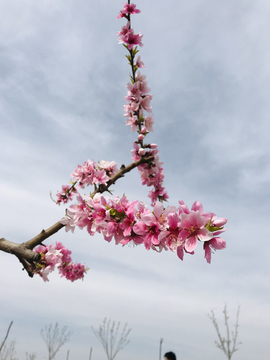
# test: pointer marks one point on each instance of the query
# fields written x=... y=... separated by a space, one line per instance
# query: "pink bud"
x=141 y=151
x=153 y=146
x=143 y=131
x=219 y=222
x=141 y=137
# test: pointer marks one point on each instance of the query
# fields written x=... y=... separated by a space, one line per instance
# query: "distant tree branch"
x=32 y=356
x=5 y=339
x=54 y=338
x=160 y=347
x=226 y=345
x=107 y=335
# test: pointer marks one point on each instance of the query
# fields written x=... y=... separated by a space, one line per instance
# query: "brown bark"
x=24 y=251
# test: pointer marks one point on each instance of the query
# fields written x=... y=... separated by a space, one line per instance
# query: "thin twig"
x=8 y=330
x=121 y=172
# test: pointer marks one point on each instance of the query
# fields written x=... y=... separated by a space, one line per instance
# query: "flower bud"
x=141 y=151
x=144 y=131
x=219 y=222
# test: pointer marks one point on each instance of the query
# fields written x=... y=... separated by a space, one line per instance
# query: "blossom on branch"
x=159 y=230
x=128 y=9
x=178 y=230
x=57 y=257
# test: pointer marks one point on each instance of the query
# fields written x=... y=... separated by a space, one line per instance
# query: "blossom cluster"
x=151 y=173
x=57 y=257
x=177 y=230
x=128 y=37
x=139 y=100
x=90 y=173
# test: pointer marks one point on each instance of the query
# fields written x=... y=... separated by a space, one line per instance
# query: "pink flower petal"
x=208 y=254
x=191 y=244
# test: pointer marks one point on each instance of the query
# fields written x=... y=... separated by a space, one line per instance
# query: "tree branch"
x=3 y=343
x=24 y=251
x=19 y=250
x=30 y=244
x=123 y=170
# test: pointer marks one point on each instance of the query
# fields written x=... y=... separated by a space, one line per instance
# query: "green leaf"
x=141 y=119
x=211 y=227
x=116 y=214
x=215 y=228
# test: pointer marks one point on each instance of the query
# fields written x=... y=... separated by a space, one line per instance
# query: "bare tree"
x=7 y=351
x=229 y=344
x=32 y=356
x=54 y=338
x=107 y=335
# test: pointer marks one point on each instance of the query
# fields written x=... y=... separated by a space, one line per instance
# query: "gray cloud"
x=63 y=82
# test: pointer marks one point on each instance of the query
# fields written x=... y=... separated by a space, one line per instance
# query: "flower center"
x=192 y=229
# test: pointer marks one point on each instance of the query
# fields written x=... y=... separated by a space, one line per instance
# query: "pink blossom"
x=132 y=39
x=216 y=243
x=128 y=111
x=145 y=103
x=53 y=257
x=183 y=207
x=148 y=123
x=134 y=152
x=141 y=151
x=143 y=131
x=139 y=63
x=133 y=89
x=68 y=222
x=73 y=271
x=57 y=256
x=128 y=9
x=66 y=194
x=140 y=77
x=123 y=32
x=129 y=219
x=132 y=122
x=142 y=87
x=193 y=229
x=110 y=167
x=149 y=226
x=64 y=251
x=134 y=106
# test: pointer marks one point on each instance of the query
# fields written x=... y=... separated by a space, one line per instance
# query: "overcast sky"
x=63 y=82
